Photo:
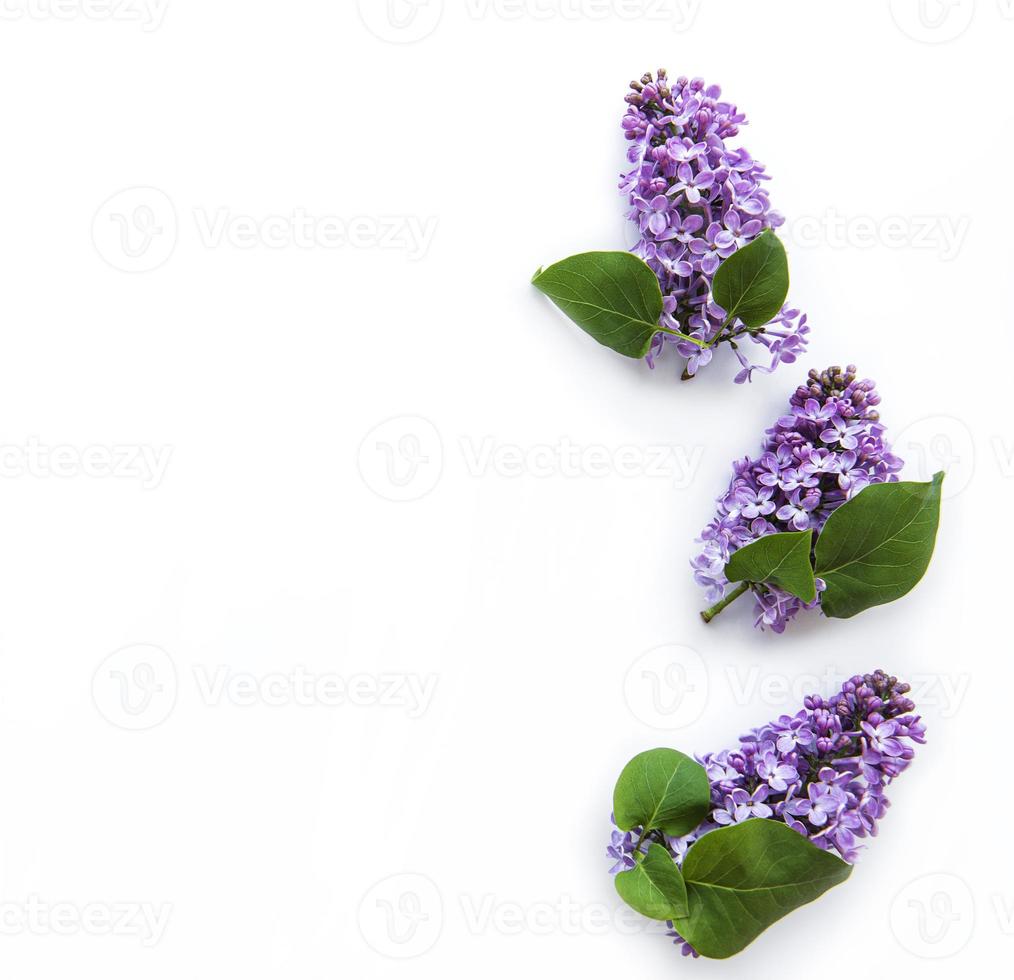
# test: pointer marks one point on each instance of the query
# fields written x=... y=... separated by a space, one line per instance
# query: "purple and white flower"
x=696 y=200
x=802 y=475
x=822 y=778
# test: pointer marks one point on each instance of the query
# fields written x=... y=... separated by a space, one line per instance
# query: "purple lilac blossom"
x=827 y=448
x=827 y=782
x=696 y=200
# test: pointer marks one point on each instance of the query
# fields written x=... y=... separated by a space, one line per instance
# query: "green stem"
x=683 y=336
x=718 y=336
x=709 y=614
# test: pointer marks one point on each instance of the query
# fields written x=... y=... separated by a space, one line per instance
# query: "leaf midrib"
x=802 y=542
x=762 y=888
x=860 y=558
x=606 y=309
x=658 y=806
x=748 y=286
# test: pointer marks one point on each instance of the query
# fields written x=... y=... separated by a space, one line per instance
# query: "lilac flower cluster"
x=696 y=200
x=823 y=452
x=822 y=771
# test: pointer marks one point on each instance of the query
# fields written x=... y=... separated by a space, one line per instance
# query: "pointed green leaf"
x=742 y=879
x=613 y=296
x=875 y=548
x=662 y=789
x=655 y=887
x=753 y=282
x=777 y=559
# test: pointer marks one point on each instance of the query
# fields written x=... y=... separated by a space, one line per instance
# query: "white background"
x=199 y=513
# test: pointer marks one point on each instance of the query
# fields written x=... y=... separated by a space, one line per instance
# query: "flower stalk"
x=709 y=614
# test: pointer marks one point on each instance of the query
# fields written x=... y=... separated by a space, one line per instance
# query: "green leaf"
x=613 y=296
x=875 y=548
x=753 y=282
x=655 y=887
x=661 y=789
x=777 y=559
x=742 y=879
